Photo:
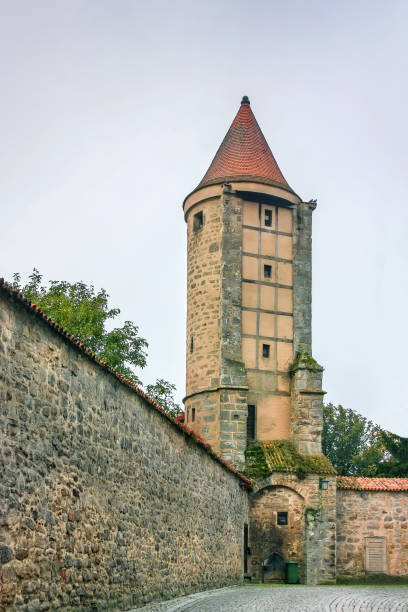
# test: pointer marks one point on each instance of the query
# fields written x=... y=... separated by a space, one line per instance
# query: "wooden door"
x=376 y=555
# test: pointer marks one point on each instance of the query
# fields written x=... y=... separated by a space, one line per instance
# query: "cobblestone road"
x=291 y=599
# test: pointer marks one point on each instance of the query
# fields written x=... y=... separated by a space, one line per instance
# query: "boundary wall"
x=372 y=531
x=105 y=502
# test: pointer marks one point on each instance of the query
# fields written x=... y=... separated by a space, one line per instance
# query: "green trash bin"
x=292 y=572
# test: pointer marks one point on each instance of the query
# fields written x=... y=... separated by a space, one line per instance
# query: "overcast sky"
x=111 y=112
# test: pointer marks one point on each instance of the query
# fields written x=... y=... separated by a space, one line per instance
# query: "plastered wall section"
x=363 y=515
x=267 y=314
x=104 y=503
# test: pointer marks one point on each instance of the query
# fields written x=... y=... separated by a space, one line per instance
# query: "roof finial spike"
x=245 y=100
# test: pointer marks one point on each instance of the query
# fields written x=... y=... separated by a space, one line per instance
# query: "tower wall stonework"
x=233 y=394
x=306 y=375
x=263 y=301
x=203 y=316
x=216 y=401
x=203 y=297
x=206 y=407
x=307 y=407
x=320 y=534
x=302 y=277
x=233 y=310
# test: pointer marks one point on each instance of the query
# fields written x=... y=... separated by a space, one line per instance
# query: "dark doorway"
x=245 y=548
x=273 y=568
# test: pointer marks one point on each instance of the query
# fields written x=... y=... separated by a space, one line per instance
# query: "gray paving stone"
x=297 y=598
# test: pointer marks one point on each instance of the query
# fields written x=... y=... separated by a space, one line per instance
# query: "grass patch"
x=373 y=579
x=271 y=585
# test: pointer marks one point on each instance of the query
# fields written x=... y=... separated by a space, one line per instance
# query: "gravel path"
x=297 y=598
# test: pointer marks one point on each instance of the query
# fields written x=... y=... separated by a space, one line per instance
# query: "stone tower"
x=253 y=389
x=249 y=301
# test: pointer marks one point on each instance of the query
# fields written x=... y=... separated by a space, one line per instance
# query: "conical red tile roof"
x=244 y=153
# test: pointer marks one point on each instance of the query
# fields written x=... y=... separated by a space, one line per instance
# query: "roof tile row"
x=359 y=483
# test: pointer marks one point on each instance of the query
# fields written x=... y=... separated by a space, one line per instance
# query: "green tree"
x=396 y=460
x=83 y=312
x=162 y=392
x=351 y=442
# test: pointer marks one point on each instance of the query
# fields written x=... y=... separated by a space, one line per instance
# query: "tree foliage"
x=351 y=442
x=396 y=462
x=162 y=392
x=358 y=447
x=83 y=312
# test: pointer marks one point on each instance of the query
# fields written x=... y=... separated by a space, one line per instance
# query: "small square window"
x=265 y=350
x=282 y=518
x=198 y=221
x=268 y=218
x=267 y=271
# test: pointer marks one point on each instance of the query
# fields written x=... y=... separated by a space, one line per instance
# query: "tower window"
x=267 y=271
x=282 y=518
x=192 y=344
x=198 y=221
x=193 y=414
x=251 y=423
x=265 y=350
x=268 y=217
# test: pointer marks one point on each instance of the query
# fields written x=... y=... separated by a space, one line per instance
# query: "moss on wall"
x=305 y=361
x=263 y=458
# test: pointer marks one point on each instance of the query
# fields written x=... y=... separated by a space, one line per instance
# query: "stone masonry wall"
x=216 y=402
x=267 y=537
x=203 y=316
x=103 y=502
x=371 y=514
x=302 y=277
x=204 y=408
x=309 y=537
x=307 y=408
x=233 y=399
x=203 y=297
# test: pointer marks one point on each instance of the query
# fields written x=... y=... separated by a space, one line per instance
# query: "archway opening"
x=273 y=568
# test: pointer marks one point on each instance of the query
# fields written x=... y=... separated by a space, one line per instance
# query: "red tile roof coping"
x=244 y=154
x=372 y=484
x=13 y=294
